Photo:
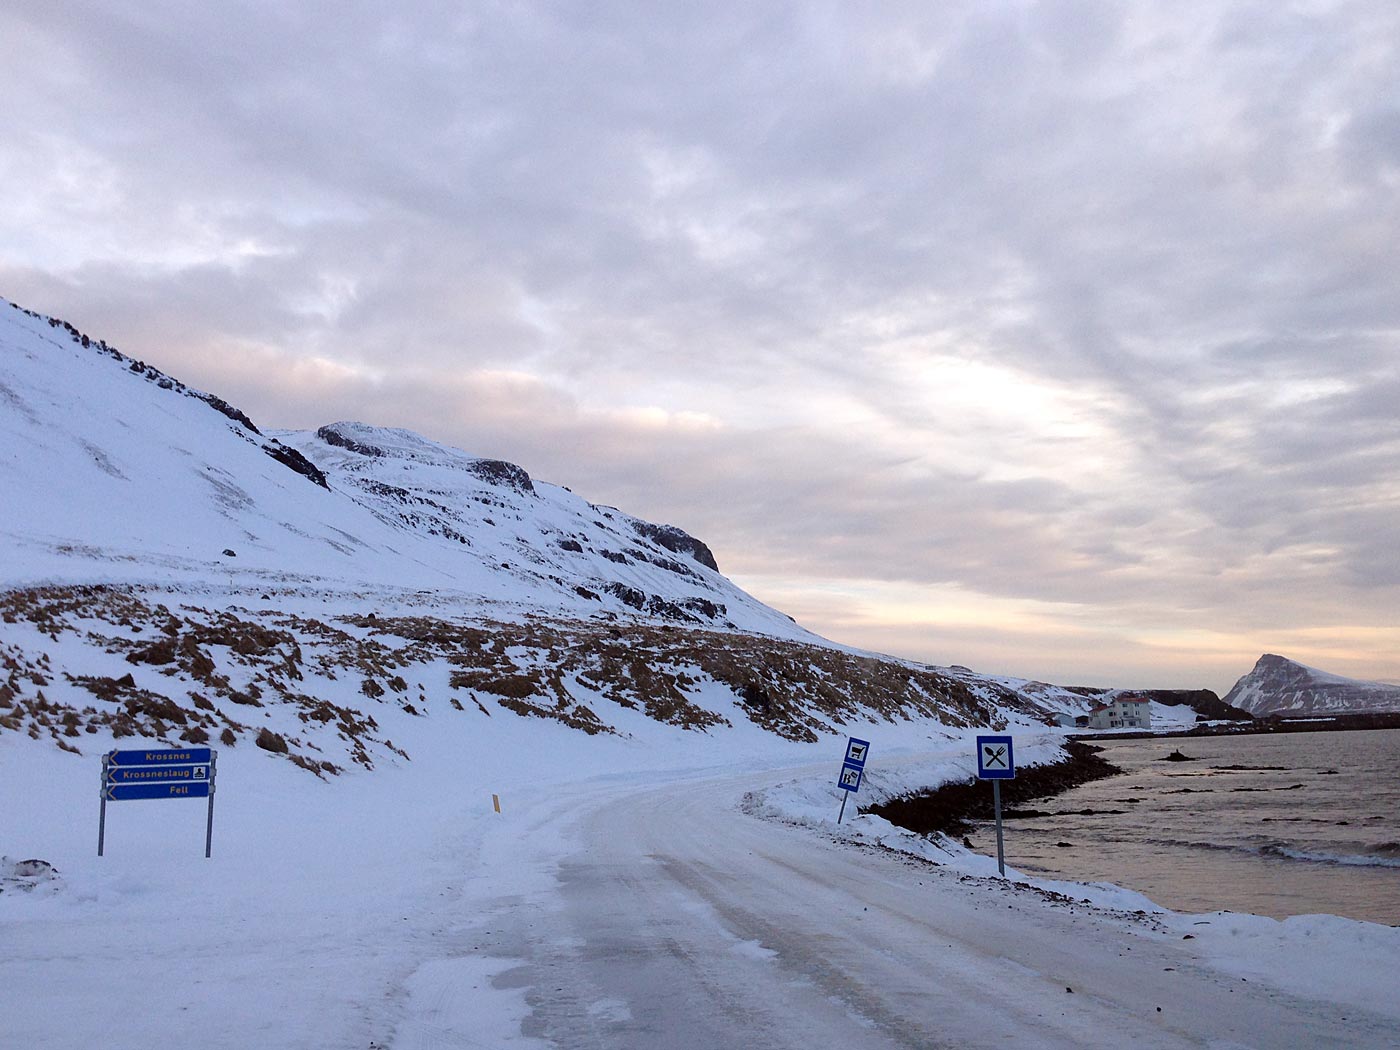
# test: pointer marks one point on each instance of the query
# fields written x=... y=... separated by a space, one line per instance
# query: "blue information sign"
x=171 y=772
x=852 y=770
x=853 y=767
x=152 y=774
x=856 y=751
x=167 y=756
x=994 y=758
x=123 y=792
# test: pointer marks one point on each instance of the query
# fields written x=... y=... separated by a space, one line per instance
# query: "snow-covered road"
x=627 y=896
x=673 y=919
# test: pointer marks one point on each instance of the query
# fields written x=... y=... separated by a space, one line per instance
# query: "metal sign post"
x=852 y=769
x=996 y=762
x=168 y=773
x=1001 y=852
x=102 y=812
x=209 y=822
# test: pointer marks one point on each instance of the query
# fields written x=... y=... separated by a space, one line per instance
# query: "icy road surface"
x=675 y=920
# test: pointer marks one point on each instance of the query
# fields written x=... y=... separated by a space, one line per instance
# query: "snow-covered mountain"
x=169 y=570
x=605 y=775
x=117 y=471
x=1279 y=686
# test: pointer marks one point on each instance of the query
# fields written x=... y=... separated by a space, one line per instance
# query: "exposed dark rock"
x=756 y=695
x=290 y=457
x=331 y=436
x=499 y=472
x=218 y=404
x=676 y=540
x=629 y=596
x=708 y=609
x=270 y=741
x=34 y=869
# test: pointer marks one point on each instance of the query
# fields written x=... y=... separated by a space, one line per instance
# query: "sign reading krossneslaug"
x=996 y=762
x=852 y=769
x=141 y=773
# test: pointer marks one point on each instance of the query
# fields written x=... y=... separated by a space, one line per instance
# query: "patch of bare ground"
x=195 y=675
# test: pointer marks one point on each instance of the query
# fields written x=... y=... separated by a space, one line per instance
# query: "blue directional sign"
x=151 y=774
x=856 y=752
x=170 y=756
x=171 y=772
x=994 y=758
x=123 y=792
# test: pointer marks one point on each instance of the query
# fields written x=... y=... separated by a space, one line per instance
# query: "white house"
x=1124 y=712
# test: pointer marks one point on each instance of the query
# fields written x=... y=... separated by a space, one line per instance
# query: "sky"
x=1059 y=340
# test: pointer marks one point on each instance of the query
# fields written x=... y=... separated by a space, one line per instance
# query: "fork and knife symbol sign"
x=994 y=756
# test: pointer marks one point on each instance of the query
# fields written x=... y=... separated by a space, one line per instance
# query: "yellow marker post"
x=496 y=802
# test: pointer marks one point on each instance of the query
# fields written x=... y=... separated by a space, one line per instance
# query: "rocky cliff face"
x=1279 y=686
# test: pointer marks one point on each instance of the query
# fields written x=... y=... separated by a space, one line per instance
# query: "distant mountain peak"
x=1280 y=686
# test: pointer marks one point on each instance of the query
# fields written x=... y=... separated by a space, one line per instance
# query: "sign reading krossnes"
x=157 y=773
x=162 y=757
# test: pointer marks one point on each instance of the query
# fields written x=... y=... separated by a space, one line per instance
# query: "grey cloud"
x=1172 y=212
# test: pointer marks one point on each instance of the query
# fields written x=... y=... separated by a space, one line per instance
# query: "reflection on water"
x=1285 y=824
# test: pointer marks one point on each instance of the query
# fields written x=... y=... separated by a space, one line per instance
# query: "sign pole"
x=209 y=825
x=996 y=762
x=996 y=800
x=842 y=811
x=102 y=811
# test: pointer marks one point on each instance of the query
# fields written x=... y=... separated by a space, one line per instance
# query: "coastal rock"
x=951 y=807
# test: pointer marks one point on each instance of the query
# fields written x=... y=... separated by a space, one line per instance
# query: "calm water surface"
x=1302 y=823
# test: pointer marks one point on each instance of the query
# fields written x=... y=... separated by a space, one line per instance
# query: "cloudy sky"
x=1055 y=339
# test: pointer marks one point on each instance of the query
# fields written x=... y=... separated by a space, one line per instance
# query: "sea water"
x=1274 y=824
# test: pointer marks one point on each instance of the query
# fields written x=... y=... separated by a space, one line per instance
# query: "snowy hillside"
x=117 y=472
x=1279 y=686
x=172 y=572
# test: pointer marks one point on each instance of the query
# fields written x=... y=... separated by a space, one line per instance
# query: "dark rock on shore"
x=951 y=808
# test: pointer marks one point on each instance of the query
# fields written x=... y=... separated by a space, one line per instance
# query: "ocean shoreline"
x=953 y=807
x=1325 y=847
